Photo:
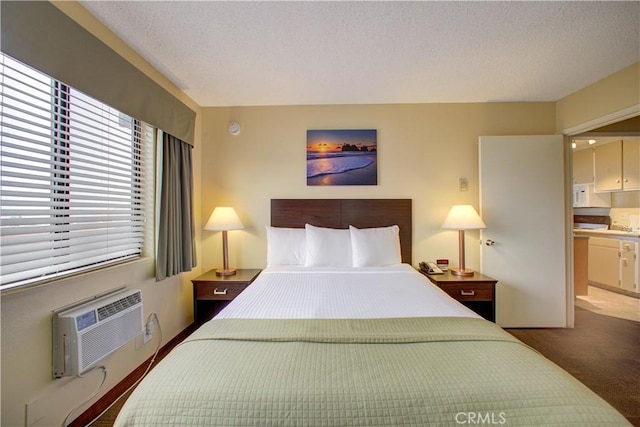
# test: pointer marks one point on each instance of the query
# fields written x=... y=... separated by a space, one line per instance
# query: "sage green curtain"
x=176 y=234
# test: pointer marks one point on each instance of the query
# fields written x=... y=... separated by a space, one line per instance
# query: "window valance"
x=40 y=35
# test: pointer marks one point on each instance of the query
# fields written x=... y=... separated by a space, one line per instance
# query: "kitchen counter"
x=606 y=233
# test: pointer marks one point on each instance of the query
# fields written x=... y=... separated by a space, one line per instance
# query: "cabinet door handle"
x=467 y=293
x=217 y=292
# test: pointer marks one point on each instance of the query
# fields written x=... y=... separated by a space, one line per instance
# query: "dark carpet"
x=602 y=352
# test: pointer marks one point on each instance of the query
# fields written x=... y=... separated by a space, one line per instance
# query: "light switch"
x=464 y=184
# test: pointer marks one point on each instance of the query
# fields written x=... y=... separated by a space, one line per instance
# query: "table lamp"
x=461 y=218
x=224 y=219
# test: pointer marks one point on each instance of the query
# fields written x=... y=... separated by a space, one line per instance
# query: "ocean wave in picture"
x=312 y=155
x=319 y=164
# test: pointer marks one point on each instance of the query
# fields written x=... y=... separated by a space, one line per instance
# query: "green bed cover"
x=361 y=372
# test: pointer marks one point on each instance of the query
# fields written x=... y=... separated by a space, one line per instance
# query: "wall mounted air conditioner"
x=88 y=331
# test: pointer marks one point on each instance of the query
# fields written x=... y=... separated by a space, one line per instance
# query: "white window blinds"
x=72 y=179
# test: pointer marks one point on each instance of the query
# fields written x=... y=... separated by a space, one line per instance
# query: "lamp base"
x=226 y=272
x=463 y=273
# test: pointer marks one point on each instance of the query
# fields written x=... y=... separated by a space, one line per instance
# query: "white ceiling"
x=320 y=52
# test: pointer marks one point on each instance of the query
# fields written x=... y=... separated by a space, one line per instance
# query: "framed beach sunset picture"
x=342 y=157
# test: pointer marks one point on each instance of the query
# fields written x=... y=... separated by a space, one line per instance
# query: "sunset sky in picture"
x=332 y=140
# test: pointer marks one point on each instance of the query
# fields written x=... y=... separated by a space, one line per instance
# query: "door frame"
x=568 y=226
x=607 y=119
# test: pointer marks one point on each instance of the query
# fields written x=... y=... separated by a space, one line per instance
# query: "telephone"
x=430 y=268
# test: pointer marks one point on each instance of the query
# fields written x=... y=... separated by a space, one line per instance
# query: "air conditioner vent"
x=88 y=331
x=118 y=306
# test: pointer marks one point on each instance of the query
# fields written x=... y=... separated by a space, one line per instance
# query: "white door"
x=522 y=202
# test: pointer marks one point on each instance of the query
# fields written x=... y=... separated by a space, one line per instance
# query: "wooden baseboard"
x=112 y=395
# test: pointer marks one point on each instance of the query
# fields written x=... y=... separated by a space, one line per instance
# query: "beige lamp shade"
x=463 y=217
x=223 y=219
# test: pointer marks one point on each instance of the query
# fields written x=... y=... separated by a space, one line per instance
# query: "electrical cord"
x=152 y=317
x=104 y=378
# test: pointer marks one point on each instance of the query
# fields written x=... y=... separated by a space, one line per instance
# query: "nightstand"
x=211 y=293
x=478 y=292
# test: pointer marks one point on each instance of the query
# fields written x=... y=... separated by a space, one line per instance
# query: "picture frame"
x=342 y=157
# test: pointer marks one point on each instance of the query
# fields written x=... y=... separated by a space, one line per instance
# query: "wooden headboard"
x=340 y=213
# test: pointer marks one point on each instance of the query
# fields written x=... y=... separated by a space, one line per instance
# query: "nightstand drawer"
x=477 y=292
x=218 y=291
x=211 y=293
x=469 y=292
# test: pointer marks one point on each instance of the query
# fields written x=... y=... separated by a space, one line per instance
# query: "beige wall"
x=26 y=371
x=423 y=149
x=596 y=105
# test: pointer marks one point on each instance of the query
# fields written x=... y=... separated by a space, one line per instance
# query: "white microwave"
x=585 y=197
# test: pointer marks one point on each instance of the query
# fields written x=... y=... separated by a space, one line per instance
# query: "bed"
x=325 y=337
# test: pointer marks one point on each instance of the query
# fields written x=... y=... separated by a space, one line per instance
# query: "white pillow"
x=375 y=247
x=286 y=246
x=328 y=247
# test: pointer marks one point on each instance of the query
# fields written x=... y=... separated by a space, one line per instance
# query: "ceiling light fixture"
x=592 y=141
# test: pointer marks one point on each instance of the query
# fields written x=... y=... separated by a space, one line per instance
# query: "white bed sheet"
x=295 y=292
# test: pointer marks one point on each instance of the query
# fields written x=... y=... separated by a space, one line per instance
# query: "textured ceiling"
x=301 y=53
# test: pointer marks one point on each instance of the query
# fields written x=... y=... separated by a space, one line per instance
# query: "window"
x=73 y=179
